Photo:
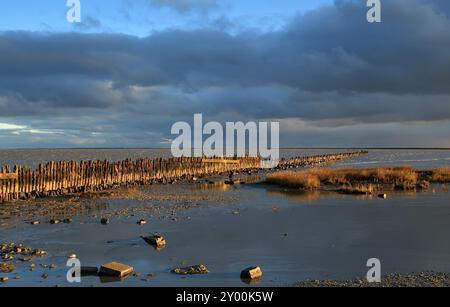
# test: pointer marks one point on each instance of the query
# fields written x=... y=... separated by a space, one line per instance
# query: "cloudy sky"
x=132 y=68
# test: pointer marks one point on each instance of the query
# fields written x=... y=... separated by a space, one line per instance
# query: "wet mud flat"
x=292 y=236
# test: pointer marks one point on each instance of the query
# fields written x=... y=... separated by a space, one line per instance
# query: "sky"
x=132 y=68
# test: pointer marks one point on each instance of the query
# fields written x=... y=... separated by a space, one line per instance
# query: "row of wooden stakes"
x=64 y=177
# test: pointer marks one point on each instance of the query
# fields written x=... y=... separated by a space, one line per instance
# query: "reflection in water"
x=225 y=186
x=312 y=196
x=296 y=195
x=249 y=281
x=112 y=279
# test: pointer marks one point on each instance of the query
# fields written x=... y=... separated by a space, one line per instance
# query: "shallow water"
x=421 y=158
x=292 y=236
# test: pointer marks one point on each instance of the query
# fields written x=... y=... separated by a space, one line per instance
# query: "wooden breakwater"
x=65 y=177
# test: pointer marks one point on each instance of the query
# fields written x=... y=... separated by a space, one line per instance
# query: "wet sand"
x=292 y=236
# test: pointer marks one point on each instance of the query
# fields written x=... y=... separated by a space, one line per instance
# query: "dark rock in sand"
x=89 y=271
x=104 y=221
x=192 y=270
x=142 y=222
x=157 y=241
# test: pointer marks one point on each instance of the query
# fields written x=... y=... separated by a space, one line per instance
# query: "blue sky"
x=132 y=68
x=141 y=18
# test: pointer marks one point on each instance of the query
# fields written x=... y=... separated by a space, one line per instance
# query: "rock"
x=54 y=222
x=17 y=277
x=192 y=270
x=89 y=271
x=7 y=267
x=73 y=256
x=142 y=222
x=382 y=196
x=39 y=253
x=104 y=221
x=116 y=269
x=4 y=279
x=252 y=273
x=35 y=223
x=44 y=276
x=67 y=221
x=155 y=240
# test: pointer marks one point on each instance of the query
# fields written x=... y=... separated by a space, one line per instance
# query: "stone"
x=155 y=240
x=142 y=222
x=4 y=279
x=39 y=253
x=54 y=222
x=44 y=276
x=7 y=267
x=89 y=270
x=73 y=256
x=104 y=221
x=116 y=269
x=383 y=196
x=252 y=273
x=192 y=270
x=35 y=223
x=67 y=221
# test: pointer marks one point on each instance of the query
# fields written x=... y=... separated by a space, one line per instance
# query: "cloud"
x=327 y=68
x=4 y=126
x=183 y=6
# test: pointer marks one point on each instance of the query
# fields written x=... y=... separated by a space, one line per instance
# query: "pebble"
x=142 y=222
x=104 y=221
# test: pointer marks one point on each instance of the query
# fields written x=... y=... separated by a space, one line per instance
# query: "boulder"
x=116 y=269
x=155 y=240
x=252 y=273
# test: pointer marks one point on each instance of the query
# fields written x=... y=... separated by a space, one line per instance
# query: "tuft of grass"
x=441 y=175
x=297 y=180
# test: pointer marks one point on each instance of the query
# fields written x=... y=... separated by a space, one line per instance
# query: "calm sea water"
x=396 y=157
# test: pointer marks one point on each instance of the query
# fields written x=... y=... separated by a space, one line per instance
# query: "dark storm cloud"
x=328 y=66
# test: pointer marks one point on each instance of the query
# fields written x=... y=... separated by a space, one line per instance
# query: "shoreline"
x=395 y=280
x=68 y=177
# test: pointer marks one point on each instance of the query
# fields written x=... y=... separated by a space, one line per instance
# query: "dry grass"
x=298 y=180
x=441 y=175
x=360 y=181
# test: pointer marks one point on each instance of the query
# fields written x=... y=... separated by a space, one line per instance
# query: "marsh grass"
x=361 y=181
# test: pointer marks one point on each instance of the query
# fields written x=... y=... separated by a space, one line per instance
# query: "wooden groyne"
x=65 y=177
